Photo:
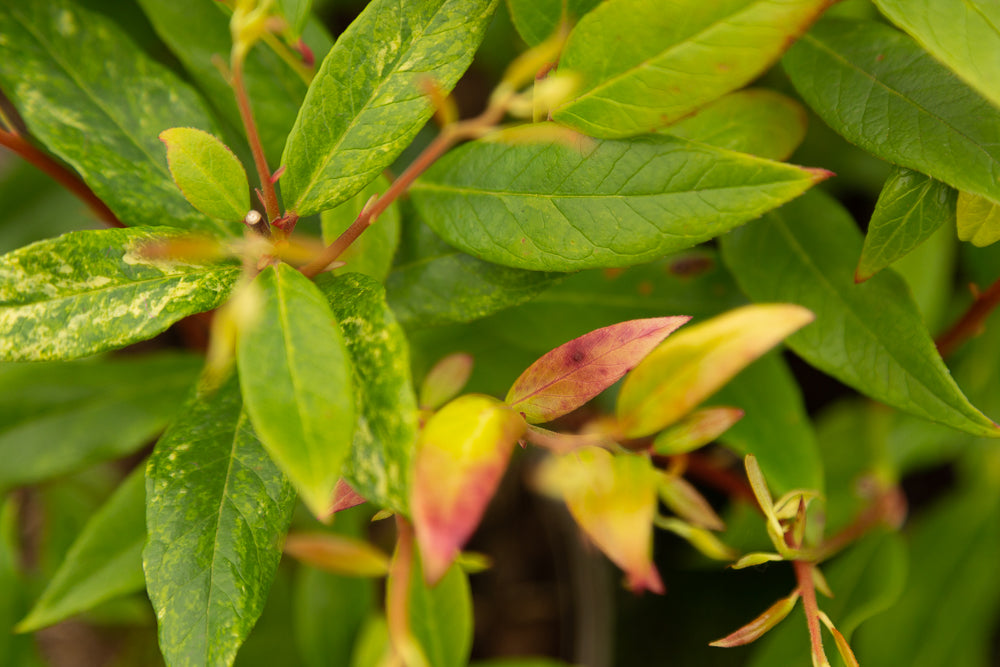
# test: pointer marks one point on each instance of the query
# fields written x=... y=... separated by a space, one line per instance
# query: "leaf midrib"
x=465 y=190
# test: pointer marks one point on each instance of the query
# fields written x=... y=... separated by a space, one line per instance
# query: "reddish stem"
x=971 y=323
x=270 y=197
x=61 y=175
x=398 y=587
x=807 y=589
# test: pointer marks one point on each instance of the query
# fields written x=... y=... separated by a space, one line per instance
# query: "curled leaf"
x=337 y=553
x=756 y=628
x=461 y=455
x=613 y=499
x=565 y=378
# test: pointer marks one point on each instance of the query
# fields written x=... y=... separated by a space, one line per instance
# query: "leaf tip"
x=818 y=174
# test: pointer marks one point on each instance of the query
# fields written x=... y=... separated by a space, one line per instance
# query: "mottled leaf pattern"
x=90 y=291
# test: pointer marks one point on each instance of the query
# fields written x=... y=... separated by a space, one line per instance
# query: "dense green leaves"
x=366 y=102
x=646 y=64
x=386 y=428
x=208 y=173
x=877 y=88
x=527 y=199
x=295 y=373
x=868 y=336
x=216 y=511
x=90 y=291
x=910 y=208
x=65 y=69
x=105 y=560
x=536 y=20
x=965 y=36
x=53 y=417
x=372 y=253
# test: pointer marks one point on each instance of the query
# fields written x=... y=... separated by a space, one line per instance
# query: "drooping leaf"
x=379 y=461
x=537 y=20
x=881 y=91
x=93 y=98
x=206 y=171
x=646 y=64
x=978 y=219
x=521 y=199
x=53 y=417
x=217 y=508
x=90 y=291
x=461 y=455
x=965 y=36
x=104 y=562
x=372 y=253
x=696 y=430
x=757 y=121
x=695 y=363
x=613 y=499
x=295 y=373
x=910 y=208
x=366 y=102
x=441 y=617
x=573 y=373
x=197 y=32
x=869 y=336
x=445 y=380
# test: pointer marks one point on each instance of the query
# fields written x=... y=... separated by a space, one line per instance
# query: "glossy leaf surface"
x=978 y=219
x=881 y=91
x=910 y=208
x=695 y=363
x=379 y=461
x=366 y=103
x=295 y=373
x=372 y=253
x=537 y=20
x=646 y=64
x=868 y=336
x=90 y=291
x=570 y=375
x=757 y=121
x=461 y=455
x=52 y=416
x=104 y=562
x=210 y=176
x=522 y=199
x=66 y=70
x=217 y=508
x=947 y=30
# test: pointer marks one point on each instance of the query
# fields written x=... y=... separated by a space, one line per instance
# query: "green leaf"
x=54 y=417
x=693 y=364
x=646 y=63
x=197 y=31
x=877 y=88
x=93 y=98
x=296 y=12
x=208 y=173
x=441 y=617
x=775 y=427
x=978 y=220
x=523 y=199
x=372 y=253
x=366 y=103
x=537 y=20
x=216 y=511
x=868 y=336
x=14 y=649
x=91 y=291
x=104 y=562
x=910 y=208
x=386 y=431
x=757 y=121
x=948 y=29
x=373 y=647
x=295 y=373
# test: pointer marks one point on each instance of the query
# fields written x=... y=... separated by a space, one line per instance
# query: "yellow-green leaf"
x=978 y=219
x=210 y=176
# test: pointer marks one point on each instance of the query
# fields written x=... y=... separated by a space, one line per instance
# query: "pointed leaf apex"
x=818 y=174
x=639 y=582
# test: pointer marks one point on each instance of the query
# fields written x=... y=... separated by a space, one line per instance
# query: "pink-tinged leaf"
x=461 y=455
x=338 y=554
x=613 y=499
x=345 y=497
x=756 y=628
x=685 y=501
x=564 y=443
x=570 y=375
x=846 y=654
x=443 y=382
x=695 y=363
x=696 y=430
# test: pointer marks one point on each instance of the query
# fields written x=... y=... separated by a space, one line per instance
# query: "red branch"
x=972 y=322
x=270 y=197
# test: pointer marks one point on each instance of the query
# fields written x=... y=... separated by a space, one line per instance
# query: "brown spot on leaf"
x=690 y=266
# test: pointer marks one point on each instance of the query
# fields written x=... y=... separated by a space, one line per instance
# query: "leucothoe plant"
x=323 y=263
